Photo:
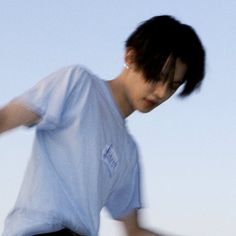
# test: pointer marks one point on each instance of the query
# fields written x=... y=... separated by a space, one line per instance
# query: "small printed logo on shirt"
x=110 y=158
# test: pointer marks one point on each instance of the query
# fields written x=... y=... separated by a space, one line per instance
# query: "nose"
x=161 y=91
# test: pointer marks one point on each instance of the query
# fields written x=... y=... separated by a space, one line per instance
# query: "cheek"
x=148 y=88
x=142 y=91
x=143 y=94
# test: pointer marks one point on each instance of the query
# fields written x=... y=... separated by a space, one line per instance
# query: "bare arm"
x=14 y=115
x=133 y=228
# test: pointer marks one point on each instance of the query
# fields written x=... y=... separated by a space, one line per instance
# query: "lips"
x=150 y=103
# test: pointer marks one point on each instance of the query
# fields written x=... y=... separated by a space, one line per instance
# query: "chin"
x=145 y=110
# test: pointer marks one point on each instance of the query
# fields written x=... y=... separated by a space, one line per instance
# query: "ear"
x=130 y=57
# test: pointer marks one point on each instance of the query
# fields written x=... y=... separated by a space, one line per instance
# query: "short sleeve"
x=49 y=96
x=127 y=197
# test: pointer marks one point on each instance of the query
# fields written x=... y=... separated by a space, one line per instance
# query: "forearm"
x=14 y=115
x=144 y=232
x=2 y=123
x=133 y=226
x=5 y=123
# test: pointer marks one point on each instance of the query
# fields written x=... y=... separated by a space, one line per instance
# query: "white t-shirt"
x=83 y=158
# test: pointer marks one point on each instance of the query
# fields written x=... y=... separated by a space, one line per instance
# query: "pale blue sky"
x=188 y=147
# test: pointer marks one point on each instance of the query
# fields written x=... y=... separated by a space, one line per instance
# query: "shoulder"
x=68 y=77
x=78 y=71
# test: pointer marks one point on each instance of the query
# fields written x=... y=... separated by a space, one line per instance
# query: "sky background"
x=188 y=147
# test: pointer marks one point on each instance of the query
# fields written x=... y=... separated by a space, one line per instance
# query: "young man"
x=83 y=157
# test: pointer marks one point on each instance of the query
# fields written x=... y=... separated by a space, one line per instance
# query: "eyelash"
x=175 y=86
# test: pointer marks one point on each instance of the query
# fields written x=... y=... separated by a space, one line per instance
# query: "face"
x=145 y=96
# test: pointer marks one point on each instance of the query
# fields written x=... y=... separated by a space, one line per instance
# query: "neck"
x=120 y=95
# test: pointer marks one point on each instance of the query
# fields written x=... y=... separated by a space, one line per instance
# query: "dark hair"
x=161 y=36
